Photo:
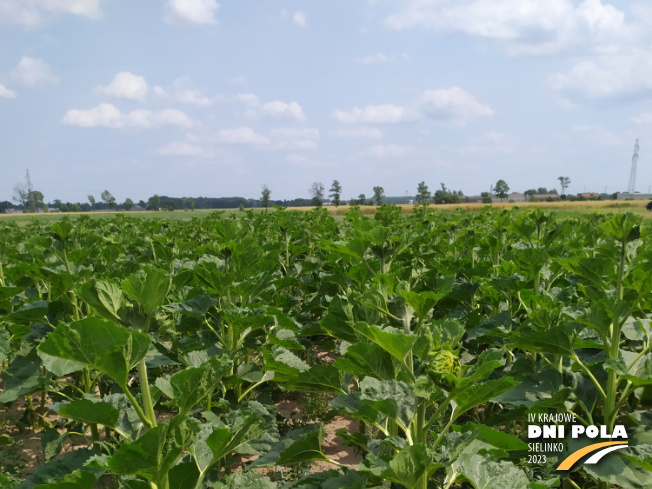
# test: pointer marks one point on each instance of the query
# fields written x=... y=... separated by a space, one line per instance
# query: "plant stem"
x=136 y=406
x=588 y=372
x=88 y=387
x=440 y=438
x=30 y=410
x=144 y=389
x=610 y=408
x=573 y=483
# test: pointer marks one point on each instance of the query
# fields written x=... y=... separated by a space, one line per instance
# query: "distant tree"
x=63 y=208
x=529 y=194
x=486 y=197
x=444 y=196
x=317 y=194
x=108 y=199
x=362 y=199
x=564 y=182
x=501 y=188
x=423 y=194
x=24 y=194
x=129 y=203
x=336 y=193
x=379 y=195
x=264 y=197
x=36 y=201
x=154 y=202
x=544 y=190
x=21 y=196
x=91 y=199
x=76 y=208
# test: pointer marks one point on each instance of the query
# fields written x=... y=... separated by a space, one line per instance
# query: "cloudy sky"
x=200 y=98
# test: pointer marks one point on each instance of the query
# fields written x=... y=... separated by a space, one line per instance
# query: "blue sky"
x=200 y=98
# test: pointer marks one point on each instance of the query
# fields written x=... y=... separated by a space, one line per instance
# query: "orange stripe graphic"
x=575 y=456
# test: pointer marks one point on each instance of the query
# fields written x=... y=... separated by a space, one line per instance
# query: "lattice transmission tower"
x=631 y=188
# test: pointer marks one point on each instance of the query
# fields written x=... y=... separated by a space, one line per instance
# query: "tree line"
x=30 y=200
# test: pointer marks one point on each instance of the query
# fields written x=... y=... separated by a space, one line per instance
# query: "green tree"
x=501 y=188
x=423 y=194
x=36 y=201
x=108 y=199
x=91 y=199
x=317 y=194
x=336 y=193
x=76 y=208
x=564 y=182
x=529 y=194
x=486 y=197
x=129 y=203
x=264 y=197
x=445 y=196
x=154 y=202
x=379 y=195
x=362 y=199
x=24 y=194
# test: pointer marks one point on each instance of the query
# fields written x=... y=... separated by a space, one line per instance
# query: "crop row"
x=164 y=344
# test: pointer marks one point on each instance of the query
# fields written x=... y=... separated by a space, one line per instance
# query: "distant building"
x=544 y=197
x=634 y=196
x=473 y=199
x=516 y=197
x=13 y=211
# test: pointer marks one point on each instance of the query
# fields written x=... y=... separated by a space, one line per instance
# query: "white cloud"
x=171 y=117
x=85 y=8
x=280 y=139
x=447 y=107
x=453 y=106
x=249 y=99
x=180 y=148
x=299 y=18
x=125 y=85
x=388 y=151
x=376 y=58
x=184 y=92
x=32 y=13
x=607 y=76
x=191 y=11
x=529 y=27
x=374 y=114
x=33 y=72
x=643 y=118
x=275 y=109
x=359 y=132
x=281 y=110
x=291 y=139
x=6 y=93
x=242 y=135
x=107 y=115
